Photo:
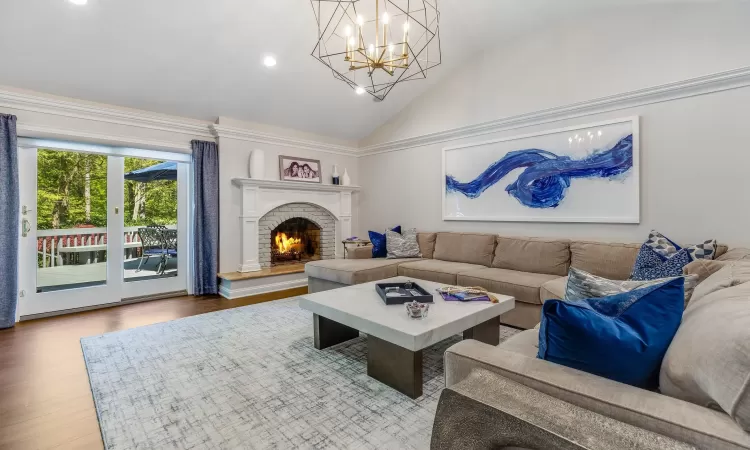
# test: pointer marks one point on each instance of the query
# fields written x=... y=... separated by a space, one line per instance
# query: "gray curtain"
x=206 y=169
x=9 y=216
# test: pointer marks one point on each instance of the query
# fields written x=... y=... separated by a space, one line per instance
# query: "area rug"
x=250 y=378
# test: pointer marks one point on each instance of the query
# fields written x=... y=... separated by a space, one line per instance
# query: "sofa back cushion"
x=708 y=361
x=426 y=243
x=735 y=254
x=468 y=248
x=537 y=255
x=605 y=259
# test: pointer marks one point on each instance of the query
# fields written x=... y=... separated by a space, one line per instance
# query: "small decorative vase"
x=257 y=165
x=335 y=174
x=345 y=180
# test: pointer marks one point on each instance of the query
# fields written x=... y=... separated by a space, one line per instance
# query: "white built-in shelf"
x=293 y=185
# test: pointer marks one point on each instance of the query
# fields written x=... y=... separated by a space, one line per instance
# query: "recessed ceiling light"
x=78 y=2
x=360 y=90
x=269 y=61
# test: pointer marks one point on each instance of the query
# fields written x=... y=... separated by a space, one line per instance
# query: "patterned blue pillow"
x=650 y=265
x=668 y=248
x=379 y=249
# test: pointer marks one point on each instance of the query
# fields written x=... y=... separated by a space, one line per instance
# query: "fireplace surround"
x=265 y=204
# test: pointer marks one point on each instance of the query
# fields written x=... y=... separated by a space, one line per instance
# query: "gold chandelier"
x=385 y=55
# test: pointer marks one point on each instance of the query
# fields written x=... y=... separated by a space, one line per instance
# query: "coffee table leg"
x=487 y=332
x=329 y=332
x=395 y=366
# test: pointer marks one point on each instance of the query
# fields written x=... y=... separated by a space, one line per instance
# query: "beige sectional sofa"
x=705 y=372
x=530 y=269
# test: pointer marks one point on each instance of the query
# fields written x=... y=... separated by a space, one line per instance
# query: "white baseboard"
x=235 y=290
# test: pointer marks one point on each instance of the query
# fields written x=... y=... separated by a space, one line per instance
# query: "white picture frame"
x=588 y=199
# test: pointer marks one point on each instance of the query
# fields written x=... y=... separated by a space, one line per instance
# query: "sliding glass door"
x=99 y=226
x=155 y=227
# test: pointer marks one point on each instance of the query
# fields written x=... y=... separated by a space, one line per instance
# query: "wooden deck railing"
x=82 y=245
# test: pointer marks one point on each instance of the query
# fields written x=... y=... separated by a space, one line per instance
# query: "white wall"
x=694 y=151
x=233 y=163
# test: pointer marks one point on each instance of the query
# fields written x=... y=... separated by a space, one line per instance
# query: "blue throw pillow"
x=622 y=337
x=378 y=242
x=650 y=265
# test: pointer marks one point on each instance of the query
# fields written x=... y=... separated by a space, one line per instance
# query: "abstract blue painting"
x=582 y=174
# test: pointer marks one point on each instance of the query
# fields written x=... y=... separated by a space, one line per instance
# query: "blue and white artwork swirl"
x=547 y=177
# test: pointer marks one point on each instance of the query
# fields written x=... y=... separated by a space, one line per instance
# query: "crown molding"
x=35 y=131
x=242 y=134
x=722 y=81
x=80 y=110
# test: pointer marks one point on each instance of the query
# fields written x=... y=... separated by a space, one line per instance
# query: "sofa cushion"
x=523 y=315
x=609 y=260
x=524 y=286
x=465 y=247
x=435 y=270
x=525 y=343
x=538 y=255
x=735 y=254
x=705 y=268
x=708 y=362
x=553 y=290
x=363 y=252
x=353 y=271
x=426 y=244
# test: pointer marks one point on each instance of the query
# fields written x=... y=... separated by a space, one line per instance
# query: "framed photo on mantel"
x=299 y=169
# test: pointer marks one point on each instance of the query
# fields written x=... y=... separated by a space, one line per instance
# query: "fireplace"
x=295 y=241
x=308 y=234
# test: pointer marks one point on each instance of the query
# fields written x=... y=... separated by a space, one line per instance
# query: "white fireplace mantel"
x=258 y=197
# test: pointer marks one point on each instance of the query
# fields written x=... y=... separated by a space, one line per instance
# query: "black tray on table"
x=423 y=297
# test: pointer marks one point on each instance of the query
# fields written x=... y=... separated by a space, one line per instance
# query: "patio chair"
x=169 y=250
x=152 y=243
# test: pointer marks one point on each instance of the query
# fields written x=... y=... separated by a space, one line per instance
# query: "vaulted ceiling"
x=202 y=59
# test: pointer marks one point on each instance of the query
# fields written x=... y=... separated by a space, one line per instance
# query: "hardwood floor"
x=45 y=399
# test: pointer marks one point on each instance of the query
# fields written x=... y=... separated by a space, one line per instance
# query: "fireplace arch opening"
x=319 y=234
x=294 y=241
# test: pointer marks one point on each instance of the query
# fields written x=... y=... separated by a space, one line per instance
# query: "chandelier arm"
x=411 y=15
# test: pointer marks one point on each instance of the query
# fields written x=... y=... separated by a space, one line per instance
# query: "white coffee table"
x=395 y=341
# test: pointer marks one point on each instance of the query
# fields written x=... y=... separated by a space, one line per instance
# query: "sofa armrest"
x=699 y=426
x=486 y=410
x=359 y=252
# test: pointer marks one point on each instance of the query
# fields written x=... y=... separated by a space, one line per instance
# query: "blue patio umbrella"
x=161 y=171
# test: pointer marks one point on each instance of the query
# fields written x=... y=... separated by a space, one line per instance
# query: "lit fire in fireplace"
x=285 y=244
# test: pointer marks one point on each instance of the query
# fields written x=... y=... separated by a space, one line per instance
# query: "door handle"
x=25 y=227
